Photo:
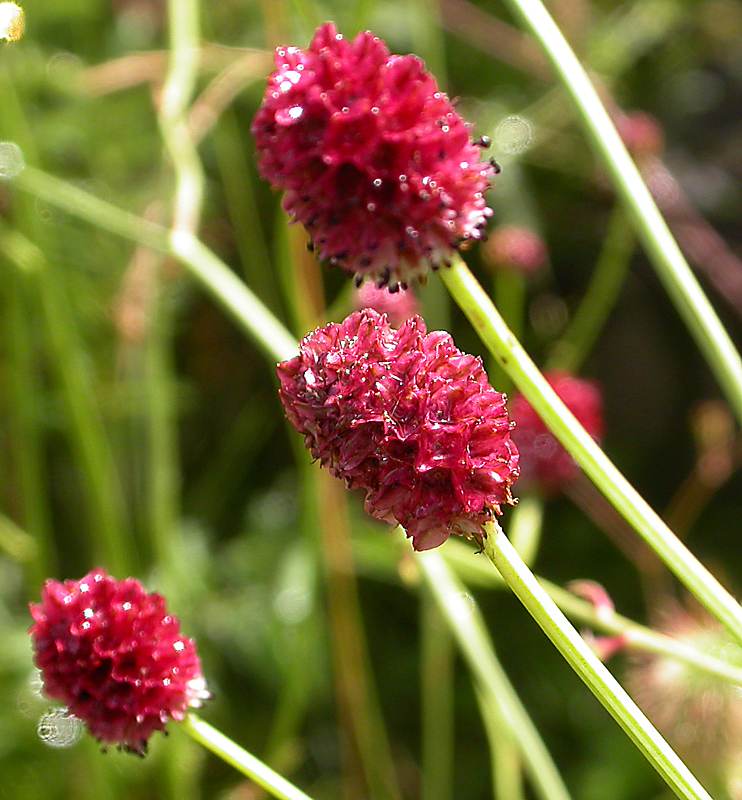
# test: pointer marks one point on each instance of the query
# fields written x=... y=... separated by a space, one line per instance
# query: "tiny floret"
x=115 y=657
x=407 y=417
x=372 y=156
x=544 y=462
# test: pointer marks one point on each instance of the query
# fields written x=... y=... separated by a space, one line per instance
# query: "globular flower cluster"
x=407 y=417
x=114 y=656
x=372 y=156
x=544 y=461
x=398 y=306
x=514 y=248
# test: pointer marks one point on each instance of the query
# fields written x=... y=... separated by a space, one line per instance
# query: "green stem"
x=27 y=440
x=437 y=701
x=468 y=627
x=507 y=772
x=15 y=542
x=600 y=298
x=87 y=431
x=210 y=271
x=240 y=759
x=668 y=260
x=504 y=346
x=586 y=664
x=476 y=572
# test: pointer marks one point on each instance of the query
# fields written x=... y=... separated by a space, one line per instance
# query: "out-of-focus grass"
x=249 y=587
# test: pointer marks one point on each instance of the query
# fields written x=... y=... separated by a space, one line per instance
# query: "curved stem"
x=592 y=671
x=469 y=629
x=666 y=256
x=208 y=269
x=475 y=572
x=600 y=298
x=240 y=759
x=620 y=493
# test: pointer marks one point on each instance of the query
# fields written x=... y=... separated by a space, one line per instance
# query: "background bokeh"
x=203 y=483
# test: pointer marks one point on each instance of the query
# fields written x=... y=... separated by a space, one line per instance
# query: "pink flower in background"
x=641 y=133
x=111 y=652
x=517 y=249
x=373 y=157
x=543 y=460
x=398 y=306
x=407 y=417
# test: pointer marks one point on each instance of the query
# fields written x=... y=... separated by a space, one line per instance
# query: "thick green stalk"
x=668 y=260
x=469 y=629
x=621 y=494
x=476 y=572
x=590 y=669
x=210 y=271
x=240 y=759
x=600 y=298
x=437 y=702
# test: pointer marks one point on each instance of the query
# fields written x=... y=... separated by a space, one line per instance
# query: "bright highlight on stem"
x=672 y=268
x=240 y=759
x=586 y=664
x=500 y=341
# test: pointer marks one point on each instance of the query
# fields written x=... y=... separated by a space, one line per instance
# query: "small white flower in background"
x=12 y=22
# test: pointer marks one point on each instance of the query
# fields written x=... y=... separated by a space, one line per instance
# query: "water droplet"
x=59 y=728
x=12 y=162
x=377 y=182
x=513 y=135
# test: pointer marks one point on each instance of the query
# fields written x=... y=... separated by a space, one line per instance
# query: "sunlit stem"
x=667 y=258
x=498 y=338
x=587 y=665
x=246 y=763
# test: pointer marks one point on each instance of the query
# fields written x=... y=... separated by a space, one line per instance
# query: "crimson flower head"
x=407 y=417
x=398 y=306
x=373 y=158
x=517 y=249
x=111 y=652
x=543 y=460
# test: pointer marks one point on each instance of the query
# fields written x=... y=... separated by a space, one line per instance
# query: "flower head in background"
x=373 y=158
x=641 y=133
x=544 y=461
x=701 y=715
x=111 y=652
x=398 y=306
x=516 y=249
x=407 y=417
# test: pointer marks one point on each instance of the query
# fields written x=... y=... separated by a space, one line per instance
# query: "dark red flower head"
x=373 y=157
x=405 y=416
x=115 y=657
x=515 y=248
x=543 y=460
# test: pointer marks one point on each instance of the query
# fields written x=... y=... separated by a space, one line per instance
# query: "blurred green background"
x=135 y=418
